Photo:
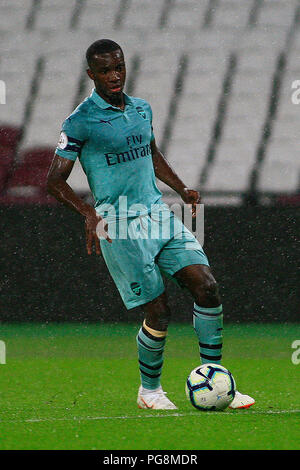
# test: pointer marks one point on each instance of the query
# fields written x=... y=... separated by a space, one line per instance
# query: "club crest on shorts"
x=136 y=288
x=141 y=112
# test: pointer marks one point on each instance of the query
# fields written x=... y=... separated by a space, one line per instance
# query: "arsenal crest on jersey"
x=141 y=112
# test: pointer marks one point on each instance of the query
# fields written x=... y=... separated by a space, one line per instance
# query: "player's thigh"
x=182 y=250
x=183 y=259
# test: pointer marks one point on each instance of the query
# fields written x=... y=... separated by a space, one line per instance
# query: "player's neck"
x=117 y=100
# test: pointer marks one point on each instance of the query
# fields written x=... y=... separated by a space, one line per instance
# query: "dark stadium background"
x=219 y=77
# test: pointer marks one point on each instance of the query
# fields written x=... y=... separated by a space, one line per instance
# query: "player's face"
x=108 y=72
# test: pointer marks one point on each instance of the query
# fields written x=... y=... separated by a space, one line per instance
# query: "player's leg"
x=208 y=318
x=207 y=314
x=131 y=263
x=151 y=341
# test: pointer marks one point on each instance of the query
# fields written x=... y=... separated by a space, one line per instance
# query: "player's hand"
x=93 y=229
x=190 y=196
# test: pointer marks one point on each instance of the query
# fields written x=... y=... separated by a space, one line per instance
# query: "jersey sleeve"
x=72 y=138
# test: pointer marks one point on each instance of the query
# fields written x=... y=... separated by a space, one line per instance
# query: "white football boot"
x=154 y=400
x=241 y=401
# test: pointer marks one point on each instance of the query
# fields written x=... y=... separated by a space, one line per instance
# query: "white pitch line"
x=176 y=415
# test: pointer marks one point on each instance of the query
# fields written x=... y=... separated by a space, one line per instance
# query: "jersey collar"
x=104 y=104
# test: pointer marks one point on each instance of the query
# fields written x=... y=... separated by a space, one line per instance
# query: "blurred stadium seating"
x=218 y=75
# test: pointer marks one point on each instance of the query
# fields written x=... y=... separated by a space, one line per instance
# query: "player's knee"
x=207 y=294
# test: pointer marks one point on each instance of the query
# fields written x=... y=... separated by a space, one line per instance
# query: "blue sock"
x=208 y=325
x=150 y=354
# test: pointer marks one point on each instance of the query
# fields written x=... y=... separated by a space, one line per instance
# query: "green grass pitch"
x=73 y=386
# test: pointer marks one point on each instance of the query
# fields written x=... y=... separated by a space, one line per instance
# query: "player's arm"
x=165 y=173
x=58 y=187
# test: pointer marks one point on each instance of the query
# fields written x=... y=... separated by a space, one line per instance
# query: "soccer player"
x=111 y=133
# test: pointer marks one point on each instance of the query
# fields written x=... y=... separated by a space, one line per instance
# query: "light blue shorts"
x=152 y=247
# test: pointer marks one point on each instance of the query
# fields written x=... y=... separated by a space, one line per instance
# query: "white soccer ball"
x=210 y=387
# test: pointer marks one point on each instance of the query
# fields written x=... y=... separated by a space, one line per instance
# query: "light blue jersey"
x=113 y=147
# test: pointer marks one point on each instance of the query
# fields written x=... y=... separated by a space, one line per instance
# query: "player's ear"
x=90 y=74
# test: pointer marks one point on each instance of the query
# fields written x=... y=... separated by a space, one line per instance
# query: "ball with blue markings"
x=210 y=387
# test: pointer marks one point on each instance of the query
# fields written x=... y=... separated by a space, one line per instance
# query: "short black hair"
x=101 y=46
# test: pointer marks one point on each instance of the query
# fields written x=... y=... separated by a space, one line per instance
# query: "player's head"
x=106 y=67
